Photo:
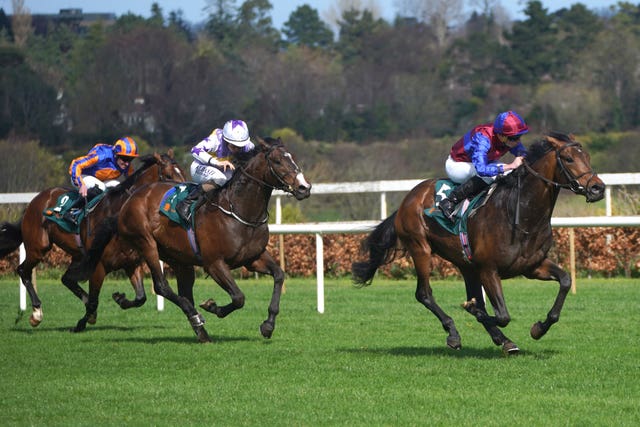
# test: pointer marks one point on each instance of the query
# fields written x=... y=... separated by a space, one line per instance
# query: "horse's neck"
x=538 y=197
x=149 y=175
x=248 y=196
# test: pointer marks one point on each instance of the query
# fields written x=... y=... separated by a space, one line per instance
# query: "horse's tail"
x=381 y=245
x=104 y=232
x=10 y=237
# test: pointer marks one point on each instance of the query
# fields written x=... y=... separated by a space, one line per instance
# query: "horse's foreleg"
x=186 y=277
x=91 y=307
x=136 y=278
x=267 y=265
x=25 y=270
x=162 y=288
x=424 y=295
x=549 y=270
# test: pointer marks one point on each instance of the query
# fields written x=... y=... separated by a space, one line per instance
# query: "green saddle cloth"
x=64 y=204
x=442 y=189
x=174 y=196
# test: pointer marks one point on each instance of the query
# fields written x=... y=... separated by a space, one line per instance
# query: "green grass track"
x=374 y=358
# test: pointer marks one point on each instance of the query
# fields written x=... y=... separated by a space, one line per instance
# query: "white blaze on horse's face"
x=300 y=179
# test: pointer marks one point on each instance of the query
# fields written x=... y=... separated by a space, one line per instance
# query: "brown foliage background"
x=600 y=251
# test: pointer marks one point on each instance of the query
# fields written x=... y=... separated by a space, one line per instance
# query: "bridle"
x=284 y=186
x=572 y=181
x=281 y=178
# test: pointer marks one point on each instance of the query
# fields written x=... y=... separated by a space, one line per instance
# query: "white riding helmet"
x=236 y=132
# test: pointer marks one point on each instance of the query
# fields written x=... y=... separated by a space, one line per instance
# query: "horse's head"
x=282 y=171
x=572 y=165
x=168 y=168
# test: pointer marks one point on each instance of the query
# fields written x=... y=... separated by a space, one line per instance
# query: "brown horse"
x=39 y=234
x=231 y=231
x=509 y=236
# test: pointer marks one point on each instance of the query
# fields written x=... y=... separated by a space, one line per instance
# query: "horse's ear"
x=170 y=153
x=262 y=142
x=157 y=157
x=572 y=137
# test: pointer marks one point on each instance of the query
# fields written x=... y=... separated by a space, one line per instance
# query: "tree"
x=441 y=15
x=304 y=27
x=530 y=56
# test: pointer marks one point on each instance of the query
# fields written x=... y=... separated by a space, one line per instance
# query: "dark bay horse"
x=39 y=234
x=231 y=231
x=509 y=236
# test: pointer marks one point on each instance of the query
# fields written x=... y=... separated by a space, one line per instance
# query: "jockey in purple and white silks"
x=474 y=159
x=212 y=164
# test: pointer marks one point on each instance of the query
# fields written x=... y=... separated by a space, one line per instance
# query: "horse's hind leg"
x=267 y=265
x=72 y=285
x=475 y=305
x=25 y=271
x=548 y=270
x=424 y=294
x=221 y=274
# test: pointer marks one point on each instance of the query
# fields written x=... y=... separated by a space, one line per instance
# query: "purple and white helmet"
x=236 y=132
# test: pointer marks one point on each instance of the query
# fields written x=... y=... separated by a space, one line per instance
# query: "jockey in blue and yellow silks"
x=474 y=159
x=103 y=165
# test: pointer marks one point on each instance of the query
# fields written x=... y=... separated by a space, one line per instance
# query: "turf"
x=375 y=357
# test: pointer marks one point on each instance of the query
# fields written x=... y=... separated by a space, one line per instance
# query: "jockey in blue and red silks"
x=474 y=159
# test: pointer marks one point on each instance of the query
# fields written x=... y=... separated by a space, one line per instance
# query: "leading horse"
x=231 y=231
x=39 y=234
x=509 y=236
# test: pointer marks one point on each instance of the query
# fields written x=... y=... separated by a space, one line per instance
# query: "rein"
x=284 y=187
x=573 y=183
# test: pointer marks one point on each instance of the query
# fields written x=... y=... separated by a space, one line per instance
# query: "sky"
x=193 y=10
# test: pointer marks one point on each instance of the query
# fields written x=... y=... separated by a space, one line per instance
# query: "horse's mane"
x=242 y=158
x=147 y=161
x=535 y=152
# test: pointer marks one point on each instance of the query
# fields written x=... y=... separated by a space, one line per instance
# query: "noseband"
x=573 y=183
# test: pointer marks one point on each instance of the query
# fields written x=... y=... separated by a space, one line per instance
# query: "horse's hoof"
x=36 y=317
x=510 y=349
x=93 y=318
x=266 y=329
x=537 y=331
x=209 y=305
x=454 y=342
x=119 y=298
x=80 y=326
x=203 y=336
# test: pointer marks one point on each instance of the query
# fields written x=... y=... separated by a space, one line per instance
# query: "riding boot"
x=183 y=208
x=466 y=190
x=73 y=212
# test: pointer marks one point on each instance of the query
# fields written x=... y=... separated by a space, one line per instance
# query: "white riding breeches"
x=91 y=181
x=204 y=173
x=460 y=172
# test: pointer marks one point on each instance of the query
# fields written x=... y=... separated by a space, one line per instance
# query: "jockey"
x=96 y=171
x=473 y=160
x=212 y=165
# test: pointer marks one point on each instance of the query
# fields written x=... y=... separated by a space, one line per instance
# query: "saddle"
x=465 y=210
x=65 y=203
x=171 y=199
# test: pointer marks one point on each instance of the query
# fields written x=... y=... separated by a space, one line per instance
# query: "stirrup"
x=448 y=212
